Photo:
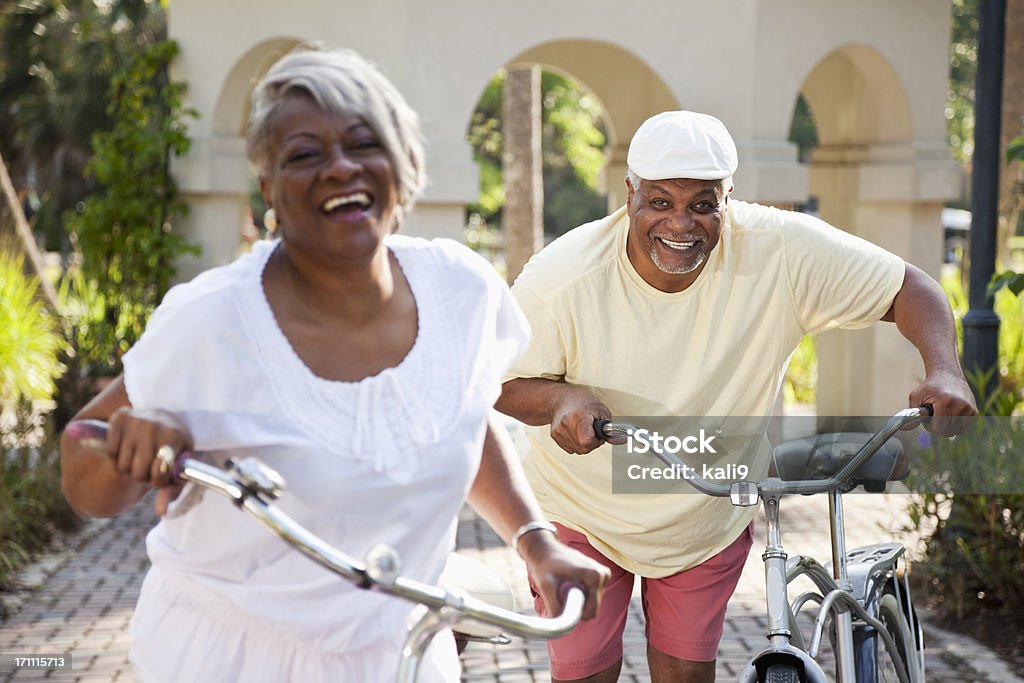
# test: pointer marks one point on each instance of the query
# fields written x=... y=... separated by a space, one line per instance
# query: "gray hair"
x=341 y=82
x=633 y=178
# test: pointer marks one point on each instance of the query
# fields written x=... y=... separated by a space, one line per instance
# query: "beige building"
x=874 y=73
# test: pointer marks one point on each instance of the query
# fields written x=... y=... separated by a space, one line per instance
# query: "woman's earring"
x=270 y=220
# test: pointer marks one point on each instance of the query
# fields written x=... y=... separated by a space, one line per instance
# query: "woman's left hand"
x=552 y=564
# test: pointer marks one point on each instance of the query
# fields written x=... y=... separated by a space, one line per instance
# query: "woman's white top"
x=388 y=459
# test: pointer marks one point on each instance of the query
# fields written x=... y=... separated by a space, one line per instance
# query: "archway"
x=864 y=178
x=231 y=112
x=612 y=92
x=628 y=88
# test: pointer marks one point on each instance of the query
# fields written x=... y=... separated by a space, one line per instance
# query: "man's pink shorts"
x=684 y=612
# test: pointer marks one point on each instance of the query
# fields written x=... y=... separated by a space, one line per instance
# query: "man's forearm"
x=532 y=400
x=922 y=314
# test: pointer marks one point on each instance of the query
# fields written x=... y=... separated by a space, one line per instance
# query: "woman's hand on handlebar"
x=572 y=424
x=554 y=567
x=142 y=445
x=135 y=439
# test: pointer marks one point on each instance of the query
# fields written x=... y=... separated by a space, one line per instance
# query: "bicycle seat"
x=822 y=455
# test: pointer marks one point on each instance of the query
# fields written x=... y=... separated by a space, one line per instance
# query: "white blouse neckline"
x=358 y=419
x=312 y=376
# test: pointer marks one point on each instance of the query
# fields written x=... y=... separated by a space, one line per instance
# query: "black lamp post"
x=981 y=324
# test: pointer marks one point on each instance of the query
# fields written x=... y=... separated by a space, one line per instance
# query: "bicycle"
x=253 y=486
x=865 y=601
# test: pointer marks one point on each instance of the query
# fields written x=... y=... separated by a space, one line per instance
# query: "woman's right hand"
x=134 y=440
x=106 y=471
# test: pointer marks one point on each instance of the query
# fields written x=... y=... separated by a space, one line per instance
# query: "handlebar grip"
x=569 y=586
x=599 y=426
x=90 y=434
x=179 y=465
x=574 y=597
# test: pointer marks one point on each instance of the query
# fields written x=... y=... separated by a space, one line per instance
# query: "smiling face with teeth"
x=331 y=183
x=673 y=227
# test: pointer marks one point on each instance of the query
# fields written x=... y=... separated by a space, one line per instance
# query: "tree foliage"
x=123 y=230
x=572 y=145
x=803 y=130
x=1011 y=280
x=963 y=66
x=57 y=58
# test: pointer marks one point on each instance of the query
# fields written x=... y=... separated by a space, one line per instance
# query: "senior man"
x=684 y=302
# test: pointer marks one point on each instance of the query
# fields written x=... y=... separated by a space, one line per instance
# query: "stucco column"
x=215 y=180
x=769 y=172
x=452 y=182
x=880 y=194
x=615 y=177
x=215 y=221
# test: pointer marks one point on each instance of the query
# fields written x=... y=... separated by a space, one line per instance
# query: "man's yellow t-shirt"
x=718 y=348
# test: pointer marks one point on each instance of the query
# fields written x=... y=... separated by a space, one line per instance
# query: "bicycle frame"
x=842 y=595
x=253 y=486
x=850 y=591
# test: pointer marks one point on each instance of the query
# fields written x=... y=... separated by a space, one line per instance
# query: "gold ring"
x=166 y=455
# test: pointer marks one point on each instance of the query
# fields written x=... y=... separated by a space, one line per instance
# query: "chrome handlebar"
x=382 y=565
x=253 y=486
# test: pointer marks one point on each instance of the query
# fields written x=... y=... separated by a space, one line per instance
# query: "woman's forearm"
x=500 y=492
x=90 y=478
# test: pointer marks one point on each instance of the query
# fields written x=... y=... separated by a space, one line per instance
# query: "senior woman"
x=360 y=364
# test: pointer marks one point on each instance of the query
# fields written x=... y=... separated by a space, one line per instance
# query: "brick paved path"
x=85 y=606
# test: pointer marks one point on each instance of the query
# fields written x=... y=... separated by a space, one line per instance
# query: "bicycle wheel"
x=888 y=668
x=781 y=673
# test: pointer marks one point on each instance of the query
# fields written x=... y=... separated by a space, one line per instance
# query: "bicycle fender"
x=812 y=672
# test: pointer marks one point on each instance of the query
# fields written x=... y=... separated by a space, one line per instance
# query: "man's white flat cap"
x=682 y=144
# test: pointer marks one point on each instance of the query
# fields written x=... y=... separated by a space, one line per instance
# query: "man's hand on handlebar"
x=572 y=424
x=951 y=400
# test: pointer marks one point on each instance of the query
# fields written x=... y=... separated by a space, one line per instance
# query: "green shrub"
x=32 y=507
x=123 y=232
x=1010 y=309
x=29 y=337
x=31 y=504
x=970 y=499
x=975 y=555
